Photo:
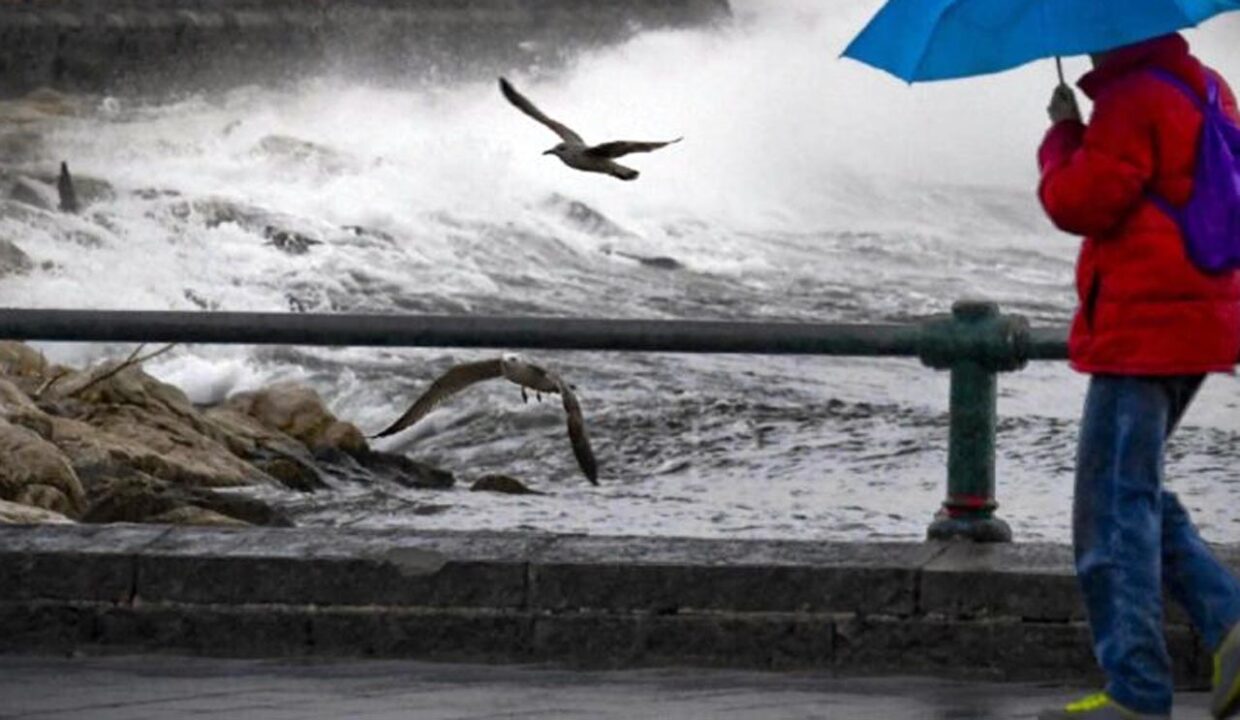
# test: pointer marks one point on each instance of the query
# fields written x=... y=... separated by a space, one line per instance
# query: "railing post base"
x=975 y=344
x=985 y=529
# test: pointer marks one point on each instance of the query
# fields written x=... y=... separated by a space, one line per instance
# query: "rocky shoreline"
x=110 y=443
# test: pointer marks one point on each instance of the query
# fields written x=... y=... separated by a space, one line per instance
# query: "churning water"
x=807 y=188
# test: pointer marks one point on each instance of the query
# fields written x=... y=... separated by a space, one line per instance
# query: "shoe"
x=1226 y=700
x=1096 y=707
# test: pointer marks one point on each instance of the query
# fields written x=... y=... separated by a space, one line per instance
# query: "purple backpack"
x=1210 y=221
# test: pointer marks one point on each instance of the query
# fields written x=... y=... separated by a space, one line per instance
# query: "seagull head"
x=558 y=150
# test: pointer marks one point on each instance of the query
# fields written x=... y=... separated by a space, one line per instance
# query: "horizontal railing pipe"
x=1047 y=343
x=675 y=336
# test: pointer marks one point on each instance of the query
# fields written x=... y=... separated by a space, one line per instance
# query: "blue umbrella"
x=940 y=39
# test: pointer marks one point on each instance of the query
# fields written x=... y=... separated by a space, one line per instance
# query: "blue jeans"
x=1131 y=538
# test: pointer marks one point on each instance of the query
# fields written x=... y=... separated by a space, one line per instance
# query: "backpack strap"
x=1212 y=101
x=1212 y=92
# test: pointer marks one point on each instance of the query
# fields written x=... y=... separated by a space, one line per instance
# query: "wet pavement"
x=150 y=687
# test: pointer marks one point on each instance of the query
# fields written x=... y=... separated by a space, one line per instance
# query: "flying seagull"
x=573 y=151
x=528 y=376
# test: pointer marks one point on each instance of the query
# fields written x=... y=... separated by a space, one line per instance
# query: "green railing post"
x=974 y=344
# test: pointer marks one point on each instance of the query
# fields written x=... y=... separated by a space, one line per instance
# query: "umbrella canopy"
x=940 y=39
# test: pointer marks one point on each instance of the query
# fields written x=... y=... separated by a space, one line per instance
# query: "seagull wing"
x=524 y=105
x=620 y=148
x=577 y=432
x=448 y=384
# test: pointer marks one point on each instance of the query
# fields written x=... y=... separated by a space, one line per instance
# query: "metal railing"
x=974 y=343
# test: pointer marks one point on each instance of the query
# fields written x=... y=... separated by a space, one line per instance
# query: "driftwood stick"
x=129 y=362
x=47 y=385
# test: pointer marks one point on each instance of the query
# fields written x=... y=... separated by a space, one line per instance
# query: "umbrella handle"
x=1059 y=67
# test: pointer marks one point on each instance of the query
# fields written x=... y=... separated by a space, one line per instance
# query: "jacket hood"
x=1167 y=51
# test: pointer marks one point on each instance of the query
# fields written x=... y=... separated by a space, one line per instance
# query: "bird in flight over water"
x=516 y=369
x=573 y=150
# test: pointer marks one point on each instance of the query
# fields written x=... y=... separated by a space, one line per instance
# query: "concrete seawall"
x=145 y=45
x=998 y=612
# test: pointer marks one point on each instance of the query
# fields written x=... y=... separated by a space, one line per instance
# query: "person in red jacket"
x=1148 y=328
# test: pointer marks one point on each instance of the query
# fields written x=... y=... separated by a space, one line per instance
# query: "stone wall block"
x=220 y=632
x=661 y=575
x=1035 y=582
x=591 y=640
x=667 y=588
x=322 y=567
x=45 y=628
x=757 y=641
x=326 y=581
x=444 y=635
x=71 y=562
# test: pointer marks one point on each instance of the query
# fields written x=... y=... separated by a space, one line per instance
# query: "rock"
x=271 y=451
x=17 y=408
x=112 y=438
x=12 y=513
x=248 y=438
x=40 y=495
x=289 y=241
x=344 y=436
x=53 y=223
x=200 y=301
x=34 y=193
x=91 y=190
x=299 y=412
x=293 y=474
x=155 y=193
x=359 y=231
x=125 y=504
x=406 y=471
x=21 y=212
x=248 y=509
x=585 y=218
x=194 y=515
x=132 y=420
x=144 y=499
x=660 y=262
x=13 y=260
x=371 y=466
x=19 y=360
x=218 y=211
x=502 y=484
x=286 y=232
x=87 y=189
x=299 y=305
x=35 y=472
x=103 y=385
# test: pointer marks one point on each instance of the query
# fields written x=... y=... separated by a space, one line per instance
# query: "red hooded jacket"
x=1145 y=309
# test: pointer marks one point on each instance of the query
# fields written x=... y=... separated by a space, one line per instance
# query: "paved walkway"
x=150 y=687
